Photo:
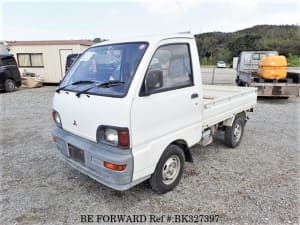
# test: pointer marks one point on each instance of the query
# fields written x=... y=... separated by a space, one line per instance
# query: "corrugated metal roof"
x=52 y=42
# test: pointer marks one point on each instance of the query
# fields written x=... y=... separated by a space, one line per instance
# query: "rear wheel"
x=234 y=134
x=168 y=170
x=10 y=85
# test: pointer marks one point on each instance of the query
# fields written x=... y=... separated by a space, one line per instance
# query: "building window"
x=30 y=59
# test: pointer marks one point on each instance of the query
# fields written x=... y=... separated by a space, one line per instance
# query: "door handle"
x=195 y=95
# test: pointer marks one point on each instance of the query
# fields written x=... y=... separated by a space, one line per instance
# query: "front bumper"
x=94 y=156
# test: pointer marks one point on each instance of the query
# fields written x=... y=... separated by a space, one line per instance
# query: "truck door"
x=173 y=108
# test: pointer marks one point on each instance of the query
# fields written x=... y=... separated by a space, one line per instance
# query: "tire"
x=234 y=134
x=10 y=85
x=169 y=170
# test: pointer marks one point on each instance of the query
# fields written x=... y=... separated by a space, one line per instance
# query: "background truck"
x=248 y=74
x=130 y=110
x=10 y=77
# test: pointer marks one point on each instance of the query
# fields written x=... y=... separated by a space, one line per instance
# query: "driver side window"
x=175 y=63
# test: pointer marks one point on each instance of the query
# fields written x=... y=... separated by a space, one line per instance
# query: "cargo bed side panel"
x=221 y=103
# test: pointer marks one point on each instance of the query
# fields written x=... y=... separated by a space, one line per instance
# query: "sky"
x=75 y=19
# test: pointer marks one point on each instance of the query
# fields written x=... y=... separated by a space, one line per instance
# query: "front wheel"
x=10 y=85
x=234 y=134
x=168 y=170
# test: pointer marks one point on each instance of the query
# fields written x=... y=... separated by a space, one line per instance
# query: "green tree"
x=244 y=43
x=98 y=40
x=214 y=46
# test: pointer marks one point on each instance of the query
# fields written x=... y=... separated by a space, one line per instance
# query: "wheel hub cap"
x=10 y=86
x=237 y=132
x=171 y=169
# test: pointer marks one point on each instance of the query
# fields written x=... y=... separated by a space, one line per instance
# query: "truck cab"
x=248 y=64
x=129 y=111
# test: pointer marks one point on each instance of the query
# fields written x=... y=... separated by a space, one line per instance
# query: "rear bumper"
x=277 y=89
x=94 y=156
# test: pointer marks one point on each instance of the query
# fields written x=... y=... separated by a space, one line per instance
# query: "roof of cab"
x=150 y=38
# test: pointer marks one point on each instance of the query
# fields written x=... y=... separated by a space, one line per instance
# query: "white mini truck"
x=130 y=110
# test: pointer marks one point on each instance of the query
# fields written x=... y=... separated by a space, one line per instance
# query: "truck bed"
x=223 y=102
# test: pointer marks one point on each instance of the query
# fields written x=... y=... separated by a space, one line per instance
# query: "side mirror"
x=153 y=81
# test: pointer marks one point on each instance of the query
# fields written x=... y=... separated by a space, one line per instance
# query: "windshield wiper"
x=74 y=83
x=106 y=84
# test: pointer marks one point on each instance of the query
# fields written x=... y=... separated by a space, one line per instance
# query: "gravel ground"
x=256 y=183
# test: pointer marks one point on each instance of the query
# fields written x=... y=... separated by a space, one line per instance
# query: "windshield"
x=100 y=64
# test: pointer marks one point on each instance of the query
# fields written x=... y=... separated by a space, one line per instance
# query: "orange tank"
x=273 y=68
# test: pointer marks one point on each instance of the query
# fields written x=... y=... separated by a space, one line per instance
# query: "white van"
x=130 y=110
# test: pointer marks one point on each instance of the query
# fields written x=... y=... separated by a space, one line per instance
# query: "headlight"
x=56 y=118
x=113 y=136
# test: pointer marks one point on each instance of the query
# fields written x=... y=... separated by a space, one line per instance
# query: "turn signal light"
x=115 y=167
x=123 y=138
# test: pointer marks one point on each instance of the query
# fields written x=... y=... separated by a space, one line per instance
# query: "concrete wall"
x=54 y=57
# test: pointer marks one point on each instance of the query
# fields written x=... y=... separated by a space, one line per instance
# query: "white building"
x=46 y=58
